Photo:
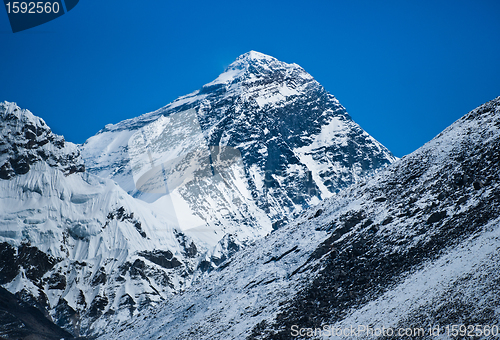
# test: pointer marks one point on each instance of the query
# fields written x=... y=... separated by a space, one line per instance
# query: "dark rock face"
x=121 y=215
x=280 y=129
x=67 y=318
x=436 y=217
x=97 y=306
x=35 y=262
x=190 y=249
x=26 y=140
x=162 y=258
x=18 y=320
x=6 y=171
x=9 y=268
x=57 y=281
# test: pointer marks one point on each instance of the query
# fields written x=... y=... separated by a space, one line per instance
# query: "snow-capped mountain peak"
x=254 y=55
x=290 y=142
x=253 y=66
x=253 y=58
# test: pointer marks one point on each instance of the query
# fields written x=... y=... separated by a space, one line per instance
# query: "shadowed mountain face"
x=18 y=320
x=416 y=245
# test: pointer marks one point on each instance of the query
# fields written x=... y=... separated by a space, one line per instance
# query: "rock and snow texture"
x=77 y=246
x=19 y=320
x=211 y=172
x=413 y=246
x=26 y=139
x=244 y=153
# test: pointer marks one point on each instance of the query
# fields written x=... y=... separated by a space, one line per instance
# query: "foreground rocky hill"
x=19 y=320
x=416 y=245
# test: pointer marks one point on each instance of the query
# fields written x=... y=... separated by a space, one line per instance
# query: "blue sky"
x=404 y=70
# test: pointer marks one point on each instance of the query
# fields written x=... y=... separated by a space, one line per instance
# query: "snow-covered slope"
x=241 y=155
x=416 y=245
x=77 y=246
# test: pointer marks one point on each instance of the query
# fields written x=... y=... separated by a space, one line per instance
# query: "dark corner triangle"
x=20 y=21
x=70 y=4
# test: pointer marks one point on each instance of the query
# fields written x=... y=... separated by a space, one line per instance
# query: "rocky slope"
x=22 y=321
x=416 y=245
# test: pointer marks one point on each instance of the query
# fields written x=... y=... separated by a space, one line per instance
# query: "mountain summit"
x=254 y=55
x=241 y=155
x=252 y=65
x=252 y=58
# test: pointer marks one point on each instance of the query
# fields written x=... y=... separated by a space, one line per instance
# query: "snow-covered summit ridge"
x=252 y=58
x=255 y=65
x=254 y=55
x=26 y=139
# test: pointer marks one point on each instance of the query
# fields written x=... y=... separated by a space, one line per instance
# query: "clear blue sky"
x=404 y=70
